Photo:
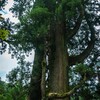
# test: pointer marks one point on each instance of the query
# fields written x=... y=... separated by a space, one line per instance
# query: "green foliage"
x=2 y=89
x=20 y=7
x=4 y=95
x=42 y=21
x=4 y=34
x=39 y=13
x=40 y=17
x=34 y=26
x=3 y=3
x=15 y=92
x=83 y=69
x=20 y=74
x=72 y=3
x=70 y=7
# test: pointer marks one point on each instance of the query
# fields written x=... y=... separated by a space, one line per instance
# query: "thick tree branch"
x=77 y=25
x=80 y=58
x=64 y=95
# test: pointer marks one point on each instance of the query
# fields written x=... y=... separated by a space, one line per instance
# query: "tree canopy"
x=65 y=37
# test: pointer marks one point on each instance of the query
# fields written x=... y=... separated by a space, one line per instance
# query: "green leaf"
x=4 y=34
x=39 y=13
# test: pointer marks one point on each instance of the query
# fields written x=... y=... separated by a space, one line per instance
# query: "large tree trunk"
x=35 y=84
x=59 y=70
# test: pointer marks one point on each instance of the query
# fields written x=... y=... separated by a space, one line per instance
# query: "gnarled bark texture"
x=58 y=71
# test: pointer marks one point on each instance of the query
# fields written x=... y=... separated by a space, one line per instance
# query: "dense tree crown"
x=65 y=37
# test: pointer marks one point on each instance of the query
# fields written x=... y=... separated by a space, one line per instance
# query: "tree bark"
x=35 y=84
x=58 y=71
x=43 y=79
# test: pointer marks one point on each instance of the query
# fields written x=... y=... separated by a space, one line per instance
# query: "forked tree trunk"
x=59 y=70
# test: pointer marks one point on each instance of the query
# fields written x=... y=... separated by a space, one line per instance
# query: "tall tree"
x=62 y=31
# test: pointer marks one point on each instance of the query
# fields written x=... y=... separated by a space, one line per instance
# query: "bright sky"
x=9 y=14
x=6 y=63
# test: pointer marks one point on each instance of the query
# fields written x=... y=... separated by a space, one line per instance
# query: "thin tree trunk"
x=43 y=79
x=35 y=84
